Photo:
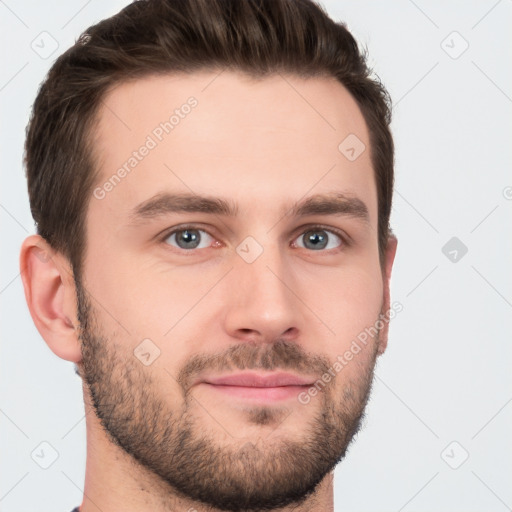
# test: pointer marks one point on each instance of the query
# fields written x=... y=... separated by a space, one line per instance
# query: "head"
x=212 y=181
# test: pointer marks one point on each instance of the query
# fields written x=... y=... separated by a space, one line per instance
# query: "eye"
x=318 y=238
x=189 y=237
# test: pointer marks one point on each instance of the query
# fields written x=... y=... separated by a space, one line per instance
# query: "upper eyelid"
x=171 y=231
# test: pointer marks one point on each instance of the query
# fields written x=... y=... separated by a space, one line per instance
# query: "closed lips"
x=259 y=380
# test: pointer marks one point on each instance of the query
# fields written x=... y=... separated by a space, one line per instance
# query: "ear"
x=386 y=300
x=51 y=297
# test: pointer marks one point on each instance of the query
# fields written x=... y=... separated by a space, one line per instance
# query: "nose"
x=260 y=303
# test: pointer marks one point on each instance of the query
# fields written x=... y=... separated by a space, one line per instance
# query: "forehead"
x=268 y=141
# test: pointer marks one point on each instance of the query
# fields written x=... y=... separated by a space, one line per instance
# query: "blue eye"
x=318 y=239
x=189 y=238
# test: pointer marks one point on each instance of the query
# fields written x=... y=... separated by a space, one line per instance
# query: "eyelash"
x=338 y=233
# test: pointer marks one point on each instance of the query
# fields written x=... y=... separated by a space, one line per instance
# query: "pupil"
x=188 y=237
x=317 y=241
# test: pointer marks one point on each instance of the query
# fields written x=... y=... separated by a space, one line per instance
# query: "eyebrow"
x=165 y=203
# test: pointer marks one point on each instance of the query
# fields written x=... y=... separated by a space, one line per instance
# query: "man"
x=211 y=182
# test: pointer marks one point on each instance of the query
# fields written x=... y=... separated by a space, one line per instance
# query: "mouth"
x=258 y=387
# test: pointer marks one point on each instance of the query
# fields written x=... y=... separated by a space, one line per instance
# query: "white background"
x=446 y=375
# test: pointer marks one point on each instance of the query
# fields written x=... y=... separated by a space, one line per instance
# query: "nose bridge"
x=266 y=274
x=262 y=301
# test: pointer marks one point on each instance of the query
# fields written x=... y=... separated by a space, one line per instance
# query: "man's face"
x=271 y=289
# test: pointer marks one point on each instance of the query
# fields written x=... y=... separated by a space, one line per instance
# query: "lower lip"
x=254 y=393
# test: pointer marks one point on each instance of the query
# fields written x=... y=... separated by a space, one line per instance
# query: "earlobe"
x=51 y=298
x=386 y=299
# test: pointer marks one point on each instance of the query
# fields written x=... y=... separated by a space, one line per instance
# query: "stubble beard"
x=173 y=442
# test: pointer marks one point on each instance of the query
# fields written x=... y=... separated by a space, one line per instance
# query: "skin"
x=262 y=146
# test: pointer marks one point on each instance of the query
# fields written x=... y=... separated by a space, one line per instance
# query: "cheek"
x=148 y=298
x=351 y=306
x=350 y=302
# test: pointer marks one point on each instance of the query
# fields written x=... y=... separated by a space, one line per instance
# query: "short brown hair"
x=259 y=37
